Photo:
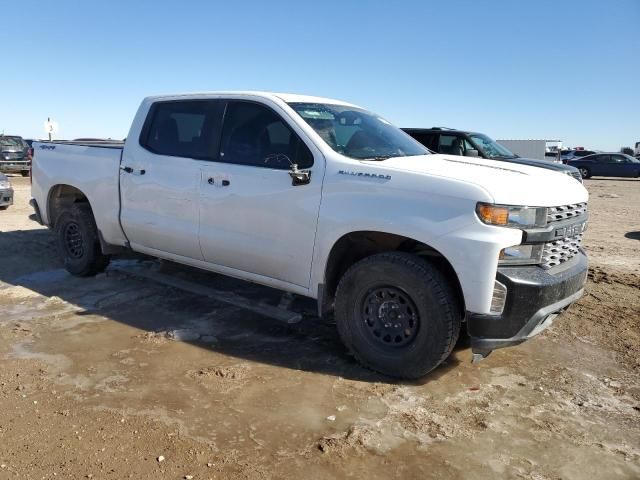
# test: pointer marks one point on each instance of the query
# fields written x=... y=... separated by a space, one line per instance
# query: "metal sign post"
x=50 y=127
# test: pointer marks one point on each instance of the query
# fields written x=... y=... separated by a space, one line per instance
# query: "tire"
x=78 y=243
x=25 y=173
x=585 y=172
x=427 y=311
x=4 y=208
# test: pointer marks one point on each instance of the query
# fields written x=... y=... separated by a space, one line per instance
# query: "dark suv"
x=471 y=144
x=14 y=155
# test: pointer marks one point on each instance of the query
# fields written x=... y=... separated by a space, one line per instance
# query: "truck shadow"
x=28 y=259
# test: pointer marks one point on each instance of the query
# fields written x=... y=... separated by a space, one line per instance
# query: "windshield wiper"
x=380 y=157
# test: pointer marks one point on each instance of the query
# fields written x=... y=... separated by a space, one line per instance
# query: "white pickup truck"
x=324 y=199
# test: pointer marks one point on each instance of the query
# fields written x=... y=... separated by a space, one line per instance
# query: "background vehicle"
x=471 y=144
x=14 y=155
x=6 y=192
x=575 y=154
x=636 y=151
x=321 y=198
x=607 y=165
x=29 y=142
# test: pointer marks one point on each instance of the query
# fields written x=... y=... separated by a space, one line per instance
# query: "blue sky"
x=511 y=69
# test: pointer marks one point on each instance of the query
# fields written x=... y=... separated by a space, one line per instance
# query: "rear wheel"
x=78 y=241
x=397 y=314
x=25 y=173
x=584 y=172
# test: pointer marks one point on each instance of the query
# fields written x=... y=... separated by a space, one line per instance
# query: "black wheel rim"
x=390 y=317
x=73 y=240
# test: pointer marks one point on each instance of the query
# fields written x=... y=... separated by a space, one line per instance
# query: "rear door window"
x=184 y=129
x=255 y=135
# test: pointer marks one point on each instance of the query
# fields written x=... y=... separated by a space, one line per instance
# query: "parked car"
x=575 y=154
x=6 y=192
x=608 y=165
x=472 y=144
x=14 y=155
x=324 y=199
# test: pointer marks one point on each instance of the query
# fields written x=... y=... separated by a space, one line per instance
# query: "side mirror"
x=472 y=152
x=299 y=177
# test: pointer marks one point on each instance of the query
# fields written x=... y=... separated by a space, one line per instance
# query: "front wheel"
x=584 y=172
x=397 y=314
x=78 y=241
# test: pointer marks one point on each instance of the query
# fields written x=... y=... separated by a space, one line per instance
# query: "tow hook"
x=478 y=355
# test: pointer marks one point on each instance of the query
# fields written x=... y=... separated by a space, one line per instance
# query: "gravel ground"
x=117 y=377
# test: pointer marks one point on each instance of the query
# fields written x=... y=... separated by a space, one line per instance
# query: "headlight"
x=521 y=255
x=511 y=216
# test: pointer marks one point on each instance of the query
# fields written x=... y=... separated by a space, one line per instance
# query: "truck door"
x=161 y=172
x=252 y=218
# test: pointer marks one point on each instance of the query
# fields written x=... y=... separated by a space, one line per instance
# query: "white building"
x=529 y=148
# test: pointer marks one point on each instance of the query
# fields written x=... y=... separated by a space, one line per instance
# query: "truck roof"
x=286 y=97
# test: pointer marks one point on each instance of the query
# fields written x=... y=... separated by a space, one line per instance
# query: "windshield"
x=357 y=133
x=10 y=142
x=490 y=148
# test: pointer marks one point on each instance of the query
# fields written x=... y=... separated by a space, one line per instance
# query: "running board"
x=275 y=313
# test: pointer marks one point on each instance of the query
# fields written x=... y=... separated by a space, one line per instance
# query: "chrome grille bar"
x=559 y=251
x=557 y=214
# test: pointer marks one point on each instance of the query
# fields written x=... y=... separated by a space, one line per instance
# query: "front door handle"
x=226 y=183
x=126 y=169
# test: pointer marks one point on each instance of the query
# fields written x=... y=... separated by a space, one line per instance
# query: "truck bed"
x=91 y=167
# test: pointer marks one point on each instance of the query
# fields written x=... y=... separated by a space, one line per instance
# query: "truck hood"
x=507 y=183
x=558 y=167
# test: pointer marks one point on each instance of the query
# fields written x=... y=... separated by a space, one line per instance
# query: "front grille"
x=13 y=155
x=560 y=251
x=563 y=212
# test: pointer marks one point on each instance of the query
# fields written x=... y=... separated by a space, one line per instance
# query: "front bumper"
x=6 y=197
x=14 y=166
x=534 y=297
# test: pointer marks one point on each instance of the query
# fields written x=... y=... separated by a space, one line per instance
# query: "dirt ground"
x=116 y=377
